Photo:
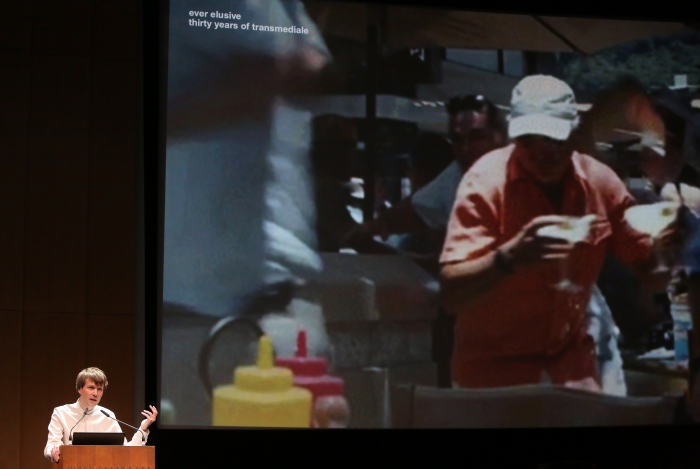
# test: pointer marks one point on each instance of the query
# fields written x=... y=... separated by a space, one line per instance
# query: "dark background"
x=71 y=290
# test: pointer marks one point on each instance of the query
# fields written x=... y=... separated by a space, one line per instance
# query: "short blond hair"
x=94 y=374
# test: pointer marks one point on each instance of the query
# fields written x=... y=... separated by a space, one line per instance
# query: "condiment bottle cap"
x=301 y=364
x=264 y=377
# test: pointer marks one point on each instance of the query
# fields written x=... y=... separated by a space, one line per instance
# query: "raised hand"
x=150 y=417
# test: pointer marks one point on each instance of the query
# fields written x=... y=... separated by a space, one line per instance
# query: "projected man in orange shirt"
x=502 y=276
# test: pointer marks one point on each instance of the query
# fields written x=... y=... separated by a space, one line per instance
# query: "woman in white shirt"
x=86 y=415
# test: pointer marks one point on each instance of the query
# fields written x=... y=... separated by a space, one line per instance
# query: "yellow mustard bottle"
x=262 y=396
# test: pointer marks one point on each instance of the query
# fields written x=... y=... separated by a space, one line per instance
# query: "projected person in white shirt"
x=86 y=415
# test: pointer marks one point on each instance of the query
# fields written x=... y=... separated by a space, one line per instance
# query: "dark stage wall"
x=69 y=213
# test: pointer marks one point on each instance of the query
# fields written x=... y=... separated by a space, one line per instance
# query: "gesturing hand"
x=527 y=247
x=150 y=417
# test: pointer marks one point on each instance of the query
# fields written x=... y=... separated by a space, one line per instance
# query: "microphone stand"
x=143 y=437
x=70 y=435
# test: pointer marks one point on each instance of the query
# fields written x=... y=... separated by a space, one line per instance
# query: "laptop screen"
x=98 y=438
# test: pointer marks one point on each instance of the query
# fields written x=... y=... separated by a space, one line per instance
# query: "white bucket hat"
x=542 y=105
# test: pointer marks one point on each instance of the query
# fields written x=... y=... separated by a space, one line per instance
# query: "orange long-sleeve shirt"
x=527 y=325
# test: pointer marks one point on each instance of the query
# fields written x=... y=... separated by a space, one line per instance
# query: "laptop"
x=98 y=438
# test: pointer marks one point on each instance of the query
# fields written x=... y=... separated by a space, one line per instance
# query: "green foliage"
x=653 y=62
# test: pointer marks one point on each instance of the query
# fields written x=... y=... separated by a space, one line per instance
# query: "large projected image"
x=380 y=216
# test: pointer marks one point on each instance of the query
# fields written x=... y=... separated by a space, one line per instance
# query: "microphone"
x=143 y=437
x=70 y=436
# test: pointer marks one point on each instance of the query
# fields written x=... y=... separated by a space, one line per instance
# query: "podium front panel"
x=107 y=457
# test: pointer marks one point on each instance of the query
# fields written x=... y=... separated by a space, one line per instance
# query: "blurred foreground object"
x=311 y=373
x=528 y=406
x=331 y=412
x=262 y=396
x=239 y=211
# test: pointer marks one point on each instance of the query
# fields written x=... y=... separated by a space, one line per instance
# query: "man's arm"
x=137 y=439
x=427 y=211
x=464 y=284
x=467 y=283
x=399 y=219
x=641 y=253
x=140 y=439
x=662 y=251
x=55 y=438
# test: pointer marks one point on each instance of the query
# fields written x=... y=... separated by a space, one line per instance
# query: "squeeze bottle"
x=262 y=396
x=330 y=406
x=310 y=372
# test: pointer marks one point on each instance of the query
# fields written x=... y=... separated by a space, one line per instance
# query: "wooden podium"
x=107 y=457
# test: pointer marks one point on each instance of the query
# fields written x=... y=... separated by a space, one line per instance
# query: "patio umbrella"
x=392 y=27
x=410 y=27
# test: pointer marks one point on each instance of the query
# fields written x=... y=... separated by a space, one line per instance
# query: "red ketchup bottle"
x=330 y=409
